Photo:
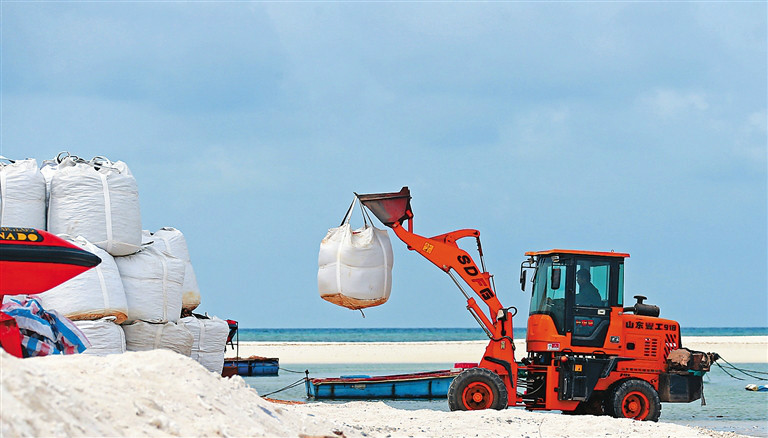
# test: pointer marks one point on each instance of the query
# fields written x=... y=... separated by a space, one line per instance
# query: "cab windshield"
x=548 y=300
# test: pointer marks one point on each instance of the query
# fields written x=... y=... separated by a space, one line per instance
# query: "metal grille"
x=651 y=347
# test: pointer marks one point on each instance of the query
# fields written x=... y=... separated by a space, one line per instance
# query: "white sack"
x=22 y=194
x=172 y=241
x=97 y=200
x=48 y=168
x=94 y=294
x=210 y=341
x=105 y=336
x=152 y=280
x=141 y=336
x=355 y=267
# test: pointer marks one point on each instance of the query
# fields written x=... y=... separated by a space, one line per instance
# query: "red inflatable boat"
x=33 y=261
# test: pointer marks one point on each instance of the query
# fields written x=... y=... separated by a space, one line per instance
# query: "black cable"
x=744 y=371
x=726 y=372
x=292 y=385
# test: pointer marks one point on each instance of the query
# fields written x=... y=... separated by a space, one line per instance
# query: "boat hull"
x=429 y=385
x=33 y=261
x=262 y=366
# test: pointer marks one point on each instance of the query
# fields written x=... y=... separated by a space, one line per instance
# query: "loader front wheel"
x=635 y=399
x=475 y=389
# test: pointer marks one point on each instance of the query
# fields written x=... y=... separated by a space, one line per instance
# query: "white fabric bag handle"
x=363 y=213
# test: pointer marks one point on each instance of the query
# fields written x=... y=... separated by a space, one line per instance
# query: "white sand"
x=735 y=349
x=161 y=393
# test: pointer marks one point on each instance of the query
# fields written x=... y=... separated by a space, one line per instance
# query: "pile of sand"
x=148 y=393
x=161 y=393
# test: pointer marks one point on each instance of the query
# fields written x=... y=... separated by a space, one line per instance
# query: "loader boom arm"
x=393 y=209
x=444 y=253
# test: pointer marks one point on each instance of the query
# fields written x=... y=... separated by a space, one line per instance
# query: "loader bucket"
x=389 y=207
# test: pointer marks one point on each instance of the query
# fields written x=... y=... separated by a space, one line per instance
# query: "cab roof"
x=577 y=252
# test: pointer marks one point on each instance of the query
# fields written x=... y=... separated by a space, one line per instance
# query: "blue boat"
x=248 y=366
x=253 y=366
x=427 y=385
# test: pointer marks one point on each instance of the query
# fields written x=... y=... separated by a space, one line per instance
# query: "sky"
x=638 y=127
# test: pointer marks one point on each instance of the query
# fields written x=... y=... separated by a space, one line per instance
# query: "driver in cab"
x=587 y=294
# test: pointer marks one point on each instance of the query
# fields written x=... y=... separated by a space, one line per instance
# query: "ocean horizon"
x=426 y=334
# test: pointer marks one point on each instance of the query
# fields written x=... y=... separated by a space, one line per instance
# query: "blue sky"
x=635 y=127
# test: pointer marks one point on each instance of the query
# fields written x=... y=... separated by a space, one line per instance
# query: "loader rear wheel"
x=476 y=389
x=635 y=399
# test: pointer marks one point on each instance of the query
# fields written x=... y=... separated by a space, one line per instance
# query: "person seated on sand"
x=587 y=294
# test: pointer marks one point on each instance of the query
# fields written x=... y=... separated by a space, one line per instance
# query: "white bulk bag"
x=98 y=200
x=22 y=194
x=355 y=266
x=141 y=336
x=210 y=341
x=94 y=294
x=49 y=167
x=152 y=280
x=172 y=241
x=105 y=336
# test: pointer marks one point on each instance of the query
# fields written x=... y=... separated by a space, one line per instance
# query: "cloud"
x=668 y=103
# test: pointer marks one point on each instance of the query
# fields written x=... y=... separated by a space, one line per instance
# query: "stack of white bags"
x=134 y=298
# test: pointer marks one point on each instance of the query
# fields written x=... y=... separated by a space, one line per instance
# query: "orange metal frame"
x=444 y=252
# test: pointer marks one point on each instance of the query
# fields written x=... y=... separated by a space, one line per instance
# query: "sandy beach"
x=161 y=393
x=735 y=349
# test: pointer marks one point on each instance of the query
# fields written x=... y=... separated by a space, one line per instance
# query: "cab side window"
x=592 y=283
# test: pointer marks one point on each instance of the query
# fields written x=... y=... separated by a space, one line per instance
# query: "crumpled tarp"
x=44 y=332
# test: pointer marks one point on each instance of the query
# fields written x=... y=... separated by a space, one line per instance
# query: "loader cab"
x=577 y=290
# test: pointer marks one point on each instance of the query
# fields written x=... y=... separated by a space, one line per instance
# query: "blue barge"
x=253 y=366
x=426 y=385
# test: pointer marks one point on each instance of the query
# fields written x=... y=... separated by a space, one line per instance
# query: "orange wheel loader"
x=588 y=353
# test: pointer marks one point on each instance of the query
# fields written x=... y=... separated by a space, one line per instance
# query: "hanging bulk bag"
x=98 y=200
x=141 y=336
x=105 y=336
x=152 y=280
x=22 y=194
x=94 y=294
x=210 y=340
x=172 y=241
x=355 y=266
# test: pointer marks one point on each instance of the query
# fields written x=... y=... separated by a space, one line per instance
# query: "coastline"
x=734 y=349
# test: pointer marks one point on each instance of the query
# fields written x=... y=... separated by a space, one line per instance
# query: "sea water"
x=729 y=407
x=432 y=334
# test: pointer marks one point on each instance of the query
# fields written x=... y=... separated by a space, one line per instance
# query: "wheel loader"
x=587 y=352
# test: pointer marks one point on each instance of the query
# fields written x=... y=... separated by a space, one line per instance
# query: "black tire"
x=635 y=399
x=476 y=389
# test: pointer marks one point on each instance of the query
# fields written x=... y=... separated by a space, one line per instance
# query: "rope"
x=726 y=372
x=292 y=371
x=292 y=385
x=742 y=371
